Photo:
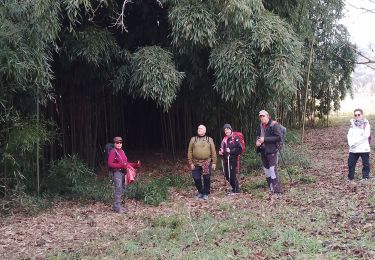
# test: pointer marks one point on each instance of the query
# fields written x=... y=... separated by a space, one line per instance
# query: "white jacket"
x=358 y=137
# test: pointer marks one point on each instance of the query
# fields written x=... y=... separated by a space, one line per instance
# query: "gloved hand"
x=138 y=164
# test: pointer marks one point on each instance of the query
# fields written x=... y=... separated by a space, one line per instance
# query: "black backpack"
x=280 y=145
x=107 y=149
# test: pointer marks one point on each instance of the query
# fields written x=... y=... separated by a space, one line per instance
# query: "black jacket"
x=233 y=143
x=272 y=137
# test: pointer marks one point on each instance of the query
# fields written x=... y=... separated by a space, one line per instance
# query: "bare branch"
x=365 y=10
x=159 y=3
x=91 y=18
x=120 y=21
x=368 y=60
x=368 y=63
x=121 y=17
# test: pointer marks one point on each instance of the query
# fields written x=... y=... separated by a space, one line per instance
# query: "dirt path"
x=70 y=225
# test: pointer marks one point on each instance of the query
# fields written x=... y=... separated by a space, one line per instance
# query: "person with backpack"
x=231 y=149
x=202 y=160
x=359 y=144
x=268 y=138
x=118 y=163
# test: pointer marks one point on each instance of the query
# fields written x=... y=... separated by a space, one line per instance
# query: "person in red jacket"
x=118 y=163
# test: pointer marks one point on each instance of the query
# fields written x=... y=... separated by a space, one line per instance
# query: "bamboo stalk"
x=307 y=89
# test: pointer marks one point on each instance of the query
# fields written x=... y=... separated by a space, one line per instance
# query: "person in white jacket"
x=359 y=146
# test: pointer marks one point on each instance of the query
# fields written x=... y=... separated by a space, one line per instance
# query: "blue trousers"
x=119 y=182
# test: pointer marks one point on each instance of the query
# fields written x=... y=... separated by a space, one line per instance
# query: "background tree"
x=155 y=73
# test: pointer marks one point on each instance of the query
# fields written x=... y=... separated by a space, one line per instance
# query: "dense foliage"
x=72 y=77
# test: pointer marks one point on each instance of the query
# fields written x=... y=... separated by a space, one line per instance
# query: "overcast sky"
x=360 y=26
x=360 y=23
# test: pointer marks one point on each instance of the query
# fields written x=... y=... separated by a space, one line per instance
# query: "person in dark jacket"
x=269 y=136
x=230 y=150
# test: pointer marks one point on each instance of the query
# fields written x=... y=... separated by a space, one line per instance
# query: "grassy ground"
x=320 y=216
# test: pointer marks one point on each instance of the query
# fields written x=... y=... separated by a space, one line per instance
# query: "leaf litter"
x=332 y=210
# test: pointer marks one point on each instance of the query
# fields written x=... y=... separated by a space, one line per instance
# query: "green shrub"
x=258 y=184
x=94 y=189
x=153 y=192
x=72 y=177
x=156 y=191
x=18 y=156
x=296 y=156
x=172 y=222
x=21 y=202
x=292 y=136
x=306 y=179
x=171 y=226
x=179 y=181
x=250 y=161
x=67 y=175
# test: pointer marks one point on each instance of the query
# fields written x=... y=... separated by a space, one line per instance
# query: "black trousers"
x=352 y=161
x=231 y=174
x=203 y=188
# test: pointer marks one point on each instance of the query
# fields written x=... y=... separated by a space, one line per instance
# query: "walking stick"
x=222 y=167
x=126 y=187
x=282 y=159
x=228 y=169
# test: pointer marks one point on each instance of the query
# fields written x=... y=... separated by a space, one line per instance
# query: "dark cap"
x=117 y=139
x=227 y=126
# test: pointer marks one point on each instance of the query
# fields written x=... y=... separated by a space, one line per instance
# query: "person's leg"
x=118 y=182
x=275 y=181
x=233 y=176
x=207 y=182
x=226 y=170
x=352 y=161
x=365 y=165
x=197 y=176
x=266 y=170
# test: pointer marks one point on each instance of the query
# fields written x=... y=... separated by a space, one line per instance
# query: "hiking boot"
x=199 y=196
x=276 y=195
x=121 y=210
x=205 y=197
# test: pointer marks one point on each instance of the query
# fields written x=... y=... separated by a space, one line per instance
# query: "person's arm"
x=135 y=165
x=258 y=143
x=277 y=135
x=111 y=164
x=190 y=152
x=349 y=136
x=213 y=153
x=257 y=132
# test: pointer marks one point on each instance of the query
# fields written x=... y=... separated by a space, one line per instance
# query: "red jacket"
x=118 y=161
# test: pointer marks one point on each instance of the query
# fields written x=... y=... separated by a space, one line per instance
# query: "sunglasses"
x=118 y=142
x=262 y=115
x=357 y=115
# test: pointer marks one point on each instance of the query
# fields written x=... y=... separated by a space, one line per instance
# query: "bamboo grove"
x=74 y=73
